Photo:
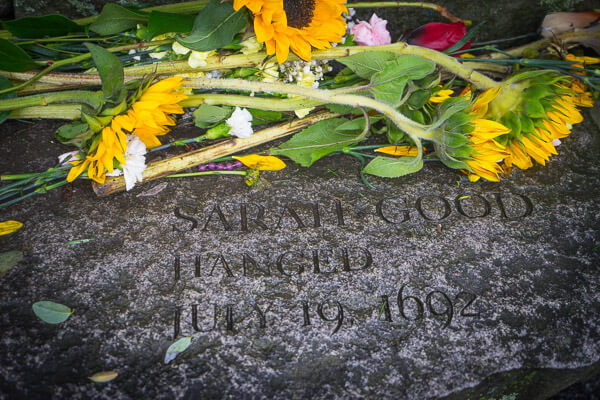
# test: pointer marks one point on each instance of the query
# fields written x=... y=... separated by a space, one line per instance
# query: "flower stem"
x=171 y=165
x=243 y=173
x=92 y=99
x=56 y=111
x=262 y=103
x=82 y=57
x=443 y=11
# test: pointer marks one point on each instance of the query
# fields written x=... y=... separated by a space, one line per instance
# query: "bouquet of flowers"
x=300 y=68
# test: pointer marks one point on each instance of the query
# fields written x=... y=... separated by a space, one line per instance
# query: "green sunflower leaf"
x=160 y=23
x=110 y=69
x=116 y=19
x=14 y=59
x=388 y=85
x=214 y=27
x=39 y=27
x=5 y=84
x=207 y=116
x=317 y=141
x=387 y=167
x=367 y=64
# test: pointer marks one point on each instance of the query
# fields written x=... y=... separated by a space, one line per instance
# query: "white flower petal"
x=240 y=122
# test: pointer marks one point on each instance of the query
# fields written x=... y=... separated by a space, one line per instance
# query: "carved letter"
x=257 y=220
x=280 y=263
x=179 y=214
x=447 y=208
x=221 y=216
x=526 y=200
x=486 y=205
x=381 y=214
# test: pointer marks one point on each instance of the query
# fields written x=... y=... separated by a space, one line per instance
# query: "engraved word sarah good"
x=247 y=217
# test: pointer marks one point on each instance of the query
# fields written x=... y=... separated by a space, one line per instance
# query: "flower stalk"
x=172 y=165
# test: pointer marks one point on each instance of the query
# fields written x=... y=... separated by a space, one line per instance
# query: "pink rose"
x=371 y=33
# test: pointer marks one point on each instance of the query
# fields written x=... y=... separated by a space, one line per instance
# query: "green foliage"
x=5 y=84
x=9 y=259
x=178 y=347
x=387 y=167
x=74 y=133
x=39 y=27
x=111 y=72
x=214 y=27
x=160 y=23
x=319 y=140
x=366 y=64
x=50 y=312
x=207 y=116
x=14 y=59
x=116 y=19
x=260 y=117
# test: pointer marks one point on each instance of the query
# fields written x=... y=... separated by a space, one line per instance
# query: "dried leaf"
x=104 y=376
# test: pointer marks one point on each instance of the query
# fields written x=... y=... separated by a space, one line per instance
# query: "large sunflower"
x=298 y=25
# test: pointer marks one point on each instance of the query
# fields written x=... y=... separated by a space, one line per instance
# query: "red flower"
x=438 y=36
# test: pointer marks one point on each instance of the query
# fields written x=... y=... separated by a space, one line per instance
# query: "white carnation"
x=240 y=123
x=135 y=162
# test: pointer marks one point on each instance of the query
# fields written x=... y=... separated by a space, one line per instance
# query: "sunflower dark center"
x=299 y=12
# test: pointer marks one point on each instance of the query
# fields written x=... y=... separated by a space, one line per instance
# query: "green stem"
x=262 y=103
x=78 y=59
x=443 y=11
x=55 y=111
x=75 y=96
x=16 y=177
x=207 y=173
x=413 y=129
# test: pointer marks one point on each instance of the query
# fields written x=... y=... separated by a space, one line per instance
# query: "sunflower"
x=487 y=153
x=147 y=118
x=298 y=25
x=538 y=110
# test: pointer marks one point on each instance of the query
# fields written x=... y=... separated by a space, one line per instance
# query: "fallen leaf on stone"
x=8 y=260
x=154 y=191
x=177 y=347
x=104 y=376
x=8 y=227
x=51 y=312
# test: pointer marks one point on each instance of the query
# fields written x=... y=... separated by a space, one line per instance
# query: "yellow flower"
x=401 y=151
x=441 y=95
x=147 y=118
x=150 y=117
x=8 y=227
x=298 y=25
x=112 y=145
x=581 y=62
x=487 y=153
x=262 y=163
x=480 y=107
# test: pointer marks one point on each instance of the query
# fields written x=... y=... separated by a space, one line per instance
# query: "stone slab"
x=424 y=287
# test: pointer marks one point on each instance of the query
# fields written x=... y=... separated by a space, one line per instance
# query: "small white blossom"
x=132 y=51
x=179 y=49
x=556 y=142
x=240 y=123
x=135 y=162
x=198 y=58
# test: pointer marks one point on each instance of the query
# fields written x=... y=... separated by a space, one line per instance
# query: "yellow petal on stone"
x=400 y=151
x=262 y=163
x=104 y=376
x=8 y=227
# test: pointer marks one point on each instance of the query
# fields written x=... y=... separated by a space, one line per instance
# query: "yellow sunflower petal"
x=7 y=227
x=262 y=163
x=77 y=170
x=401 y=151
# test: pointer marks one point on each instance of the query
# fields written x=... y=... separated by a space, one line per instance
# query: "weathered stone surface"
x=521 y=279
